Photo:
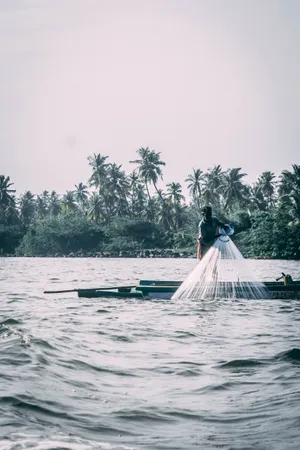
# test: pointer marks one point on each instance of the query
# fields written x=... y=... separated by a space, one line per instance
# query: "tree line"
x=114 y=210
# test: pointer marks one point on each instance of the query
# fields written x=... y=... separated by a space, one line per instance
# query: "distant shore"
x=152 y=253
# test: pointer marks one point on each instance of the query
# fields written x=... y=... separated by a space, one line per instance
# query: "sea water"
x=119 y=374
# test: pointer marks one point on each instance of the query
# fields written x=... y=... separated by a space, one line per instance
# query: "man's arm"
x=221 y=224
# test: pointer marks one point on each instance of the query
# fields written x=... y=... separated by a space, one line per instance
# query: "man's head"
x=207 y=212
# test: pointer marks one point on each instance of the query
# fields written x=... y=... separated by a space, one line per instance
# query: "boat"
x=155 y=289
x=164 y=289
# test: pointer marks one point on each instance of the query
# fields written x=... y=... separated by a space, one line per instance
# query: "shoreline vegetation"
x=147 y=253
x=115 y=214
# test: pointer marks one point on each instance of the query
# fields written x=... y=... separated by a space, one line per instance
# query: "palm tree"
x=213 y=183
x=69 y=202
x=140 y=200
x=41 y=207
x=163 y=211
x=290 y=180
x=10 y=215
x=176 y=197
x=289 y=192
x=149 y=167
x=175 y=192
x=95 y=210
x=267 y=186
x=133 y=180
x=81 y=194
x=136 y=194
x=27 y=207
x=294 y=210
x=195 y=181
x=256 y=199
x=117 y=180
x=46 y=199
x=116 y=190
x=5 y=191
x=99 y=168
x=150 y=211
x=234 y=190
x=54 y=204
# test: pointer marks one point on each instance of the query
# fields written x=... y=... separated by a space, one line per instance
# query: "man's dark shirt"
x=208 y=229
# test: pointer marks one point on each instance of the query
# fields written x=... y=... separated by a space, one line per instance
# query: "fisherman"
x=209 y=230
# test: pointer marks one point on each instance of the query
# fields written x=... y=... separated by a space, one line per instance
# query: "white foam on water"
x=36 y=442
x=222 y=273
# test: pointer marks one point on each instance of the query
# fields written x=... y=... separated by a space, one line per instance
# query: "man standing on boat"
x=209 y=230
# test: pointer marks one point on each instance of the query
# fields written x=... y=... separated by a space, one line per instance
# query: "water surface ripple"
x=127 y=374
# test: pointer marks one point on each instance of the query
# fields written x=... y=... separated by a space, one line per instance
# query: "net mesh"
x=222 y=273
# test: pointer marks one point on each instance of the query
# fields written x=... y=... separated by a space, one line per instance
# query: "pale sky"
x=204 y=82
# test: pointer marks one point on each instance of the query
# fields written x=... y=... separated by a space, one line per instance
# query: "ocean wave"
x=121 y=338
x=292 y=355
x=45 y=407
x=208 y=417
x=144 y=415
x=188 y=363
x=228 y=385
x=79 y=364
x=188 y=372
x=10 y=321
x=241 y=363
x=184 y=334
x=42 y=343
x=8 y=332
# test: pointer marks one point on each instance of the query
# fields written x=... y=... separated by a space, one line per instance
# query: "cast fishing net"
x=222 y=273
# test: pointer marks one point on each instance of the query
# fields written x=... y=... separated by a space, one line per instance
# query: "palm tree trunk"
x=158 y=193
x=147 y=188
x=199 y=197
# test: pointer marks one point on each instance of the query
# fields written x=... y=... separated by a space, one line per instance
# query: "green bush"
x=146 y=234
x=61 y=235
x=10 y=238
x=271 y=236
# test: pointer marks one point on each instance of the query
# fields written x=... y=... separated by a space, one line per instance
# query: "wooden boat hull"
x=89 y=293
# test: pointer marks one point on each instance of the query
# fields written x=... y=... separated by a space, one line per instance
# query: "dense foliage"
x=116 y=211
